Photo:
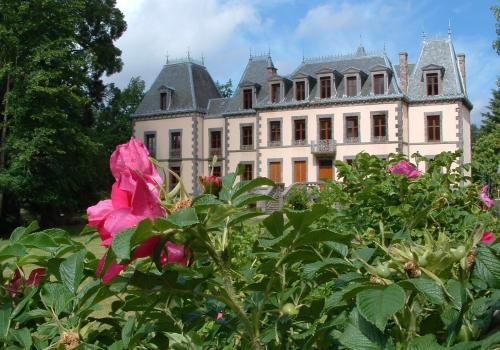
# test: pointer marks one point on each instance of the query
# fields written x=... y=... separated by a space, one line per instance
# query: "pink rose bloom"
x=488 y=237
x=405 y=168
x=488 y=202
x=220 y=314
x=176 y=253
x=130 y=158
x=124 y=209
x=211 y=184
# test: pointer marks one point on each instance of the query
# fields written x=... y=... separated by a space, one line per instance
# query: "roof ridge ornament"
x=449 y=28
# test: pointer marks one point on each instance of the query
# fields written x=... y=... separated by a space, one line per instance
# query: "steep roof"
x=191 y=85
x=436 y=54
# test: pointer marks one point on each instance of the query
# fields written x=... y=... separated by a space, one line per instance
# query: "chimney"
x=271 y=70
x=403 y=71
x=461 y=66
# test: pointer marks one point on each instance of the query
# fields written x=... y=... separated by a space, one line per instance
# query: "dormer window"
x=275 y=92
x=165 y=97
x=352 y=86
x=300 y=90
x=432 y=83
x=325 y=86
x=247 y=98
x=379 y=84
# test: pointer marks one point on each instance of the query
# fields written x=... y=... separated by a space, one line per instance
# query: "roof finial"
x=449 y=28
x=250 y=57
x=189 y=55
x=167 y=56
x=360 y=40
x=202 y=59
x=424 y=36
x=268 y=51
x=384 y=48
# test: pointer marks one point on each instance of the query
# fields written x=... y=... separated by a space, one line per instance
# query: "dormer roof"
x=433 y=66
x=351 y=70
x=380 y=68
x=325 y=70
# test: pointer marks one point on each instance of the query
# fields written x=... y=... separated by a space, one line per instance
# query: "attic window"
x=351 y=86
x=325 y=87
x=378 y=84
x=300 y=90
x=164 y=100
x=247 y=98
x=432 y=83
x=275 y=93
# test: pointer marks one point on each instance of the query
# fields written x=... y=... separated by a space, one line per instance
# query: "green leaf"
x=243 y=216
x=250 y=198
x=127 y=331
x=362 y=335
x=487 y=266
x=184 y=217
x=427 y=342
x=121 y=243
x=56 y=296
x=5 y=312
x=378 y=305
x=23 y=337
x=21 y=231
x=302 y=219
x=206 y=201
x=430 y=289
x=245 y=186
x=312 y=268
x=322 y=235
x=71 y=270
x=274 y=223
x=11 y=251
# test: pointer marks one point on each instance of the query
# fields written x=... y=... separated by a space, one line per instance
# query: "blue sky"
x=224 y=32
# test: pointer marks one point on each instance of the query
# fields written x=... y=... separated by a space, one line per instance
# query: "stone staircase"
x=275 y=192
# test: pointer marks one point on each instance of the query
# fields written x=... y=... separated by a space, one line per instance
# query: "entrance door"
x=300 y=172
x=275 y=172
x=325 y=169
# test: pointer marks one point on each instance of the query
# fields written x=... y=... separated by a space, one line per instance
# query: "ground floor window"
x=299 y=171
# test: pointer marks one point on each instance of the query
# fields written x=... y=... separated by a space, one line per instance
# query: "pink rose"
x=488 y=202
x=405 y=168
x=488 y=237
x=220 y=314
x=131 y=158
x=176 y=253
x=124 y=209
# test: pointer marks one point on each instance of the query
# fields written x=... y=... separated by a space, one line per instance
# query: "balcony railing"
x=215 y=152
x=323 y=146
x=351 y=139
x=300 y=142
x=379 y=138
x=246 y=147
x=175 y=153
x=274 y=143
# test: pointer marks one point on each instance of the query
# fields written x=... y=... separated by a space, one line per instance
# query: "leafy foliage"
x=380 y=261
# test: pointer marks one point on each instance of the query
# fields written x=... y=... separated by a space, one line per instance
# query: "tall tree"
x=50 y=76
x=226 y=89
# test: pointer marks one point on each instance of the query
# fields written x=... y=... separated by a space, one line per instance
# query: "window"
x=175 y=144
x=351 y=129
x=247 y=98
x=274 y=133
x=247 y=171
x=173 y=179
x=150 y=141
x=275 y=93
x=215 y=143
x=217 y=171
x=247 y=137
x=299 y=131
x=432 y=84
x=164 y=100
x=351 y=87
x=379 y=84
x=325 y=171
x=300 y=90
x=325 y=128
x=299 y=171
x=325 y=90
x=349 y=161
x=433 y=128
x=379 y=127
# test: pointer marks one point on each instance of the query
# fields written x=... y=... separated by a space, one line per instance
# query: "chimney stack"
x=461 y=67
x=271 y=70
x=403 y=71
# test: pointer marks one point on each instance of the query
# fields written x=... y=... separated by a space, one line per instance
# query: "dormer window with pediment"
x=433 y=75
x=275 y=92
x=247 y=99
x=248 y=93
x=301 y=86
x=326 y=77
x=352 y=81
x=380 y=76
x=165 y=97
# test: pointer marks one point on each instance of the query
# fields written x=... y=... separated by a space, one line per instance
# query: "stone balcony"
x=323 y=146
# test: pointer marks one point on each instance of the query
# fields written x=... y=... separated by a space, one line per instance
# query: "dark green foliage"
x=298 y=198
x=51 y=63
x=226 y=89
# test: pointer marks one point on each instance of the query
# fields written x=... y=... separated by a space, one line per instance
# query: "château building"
x=291 y=128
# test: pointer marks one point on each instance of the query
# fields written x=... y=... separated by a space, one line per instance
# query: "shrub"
x=401 y=263
x=298 y=198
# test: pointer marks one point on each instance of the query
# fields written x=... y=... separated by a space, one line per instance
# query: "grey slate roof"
x=436 y=52
x=217 y=106
x=192 y=86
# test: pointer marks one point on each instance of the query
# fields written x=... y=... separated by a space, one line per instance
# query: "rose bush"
x=385 y=259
